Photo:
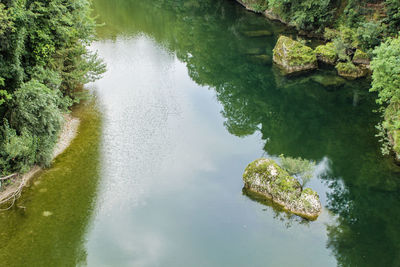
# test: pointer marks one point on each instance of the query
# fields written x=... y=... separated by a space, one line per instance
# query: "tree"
x=298 y=167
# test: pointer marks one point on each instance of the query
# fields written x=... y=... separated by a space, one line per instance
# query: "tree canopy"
x=43 y=61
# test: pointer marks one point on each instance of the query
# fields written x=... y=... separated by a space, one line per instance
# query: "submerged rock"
x=326 y=53
x=259 y=33
x=254 y=51
x=350 y=71
x=265 y=177
x=261 y=59
x=292 y=56
x=328 y=80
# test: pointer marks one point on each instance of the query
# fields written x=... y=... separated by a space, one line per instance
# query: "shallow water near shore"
x=154 y=177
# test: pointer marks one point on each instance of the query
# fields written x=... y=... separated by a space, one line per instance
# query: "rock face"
x=293 y=57
x=265 y=177
x=326 y=53
x=350 y=71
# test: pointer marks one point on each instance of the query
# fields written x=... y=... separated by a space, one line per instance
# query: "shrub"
x=370 y=34
x=298 y=167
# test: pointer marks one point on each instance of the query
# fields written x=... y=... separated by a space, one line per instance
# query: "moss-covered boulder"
x=267 y=178
x=293 y=56
x=350 y=71
x=360 y=58
x=326 y=53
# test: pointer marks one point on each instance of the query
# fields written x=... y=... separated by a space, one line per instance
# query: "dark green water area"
x=154 y=177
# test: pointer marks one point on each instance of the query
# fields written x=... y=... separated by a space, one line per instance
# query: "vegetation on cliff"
x=386 y=81
x=43 y=62
x=357 y=32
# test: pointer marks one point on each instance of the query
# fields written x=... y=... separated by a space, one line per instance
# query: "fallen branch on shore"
x=8 y=176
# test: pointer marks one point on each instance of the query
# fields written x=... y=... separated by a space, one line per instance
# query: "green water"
x=186 y=104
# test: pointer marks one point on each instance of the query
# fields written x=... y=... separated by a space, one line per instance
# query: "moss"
x=360 y=55
x=349 y=70
x=266 y=177
x=361 y=58
x=294 y=56
x=346 y=67
x=326 y=53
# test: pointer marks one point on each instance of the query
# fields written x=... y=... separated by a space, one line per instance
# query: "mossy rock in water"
x=326 y=53
x=360 y=58
x=350 y=71
x=259 y=33
x=267 y=178
x=293 y=56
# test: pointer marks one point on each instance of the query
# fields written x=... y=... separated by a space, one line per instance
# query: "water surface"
x=187 y=103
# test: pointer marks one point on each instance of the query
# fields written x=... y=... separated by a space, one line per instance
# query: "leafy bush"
x=17 y=152
x=386 y=81
x=307 y=14
x=393 y=16
x=36 y=109
x=386 y=71
x=370 y=34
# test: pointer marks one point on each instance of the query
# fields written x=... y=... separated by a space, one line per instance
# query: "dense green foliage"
x=386 y=81
x=43 y=62
x=305 y=15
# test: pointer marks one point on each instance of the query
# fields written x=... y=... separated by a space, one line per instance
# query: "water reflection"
x=315 y=117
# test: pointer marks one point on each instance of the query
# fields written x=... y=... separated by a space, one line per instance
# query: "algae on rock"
x=293 y=56
x=360 y=58
x=349 y=70
x=267 y=178
x=327 y=53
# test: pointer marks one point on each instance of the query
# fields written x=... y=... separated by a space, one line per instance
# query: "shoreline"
x=65 y=138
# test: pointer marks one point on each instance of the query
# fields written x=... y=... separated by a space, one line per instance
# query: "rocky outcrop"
x=270 y=14
x=265 y=177
x=361 y=58
x=350 y=71
x=293 y=57
x=326 y=53
x=331 y=80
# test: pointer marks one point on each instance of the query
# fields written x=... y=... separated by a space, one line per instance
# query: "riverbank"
x=19 y=181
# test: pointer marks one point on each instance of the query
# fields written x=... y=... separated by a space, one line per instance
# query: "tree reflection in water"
x=296 y=116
